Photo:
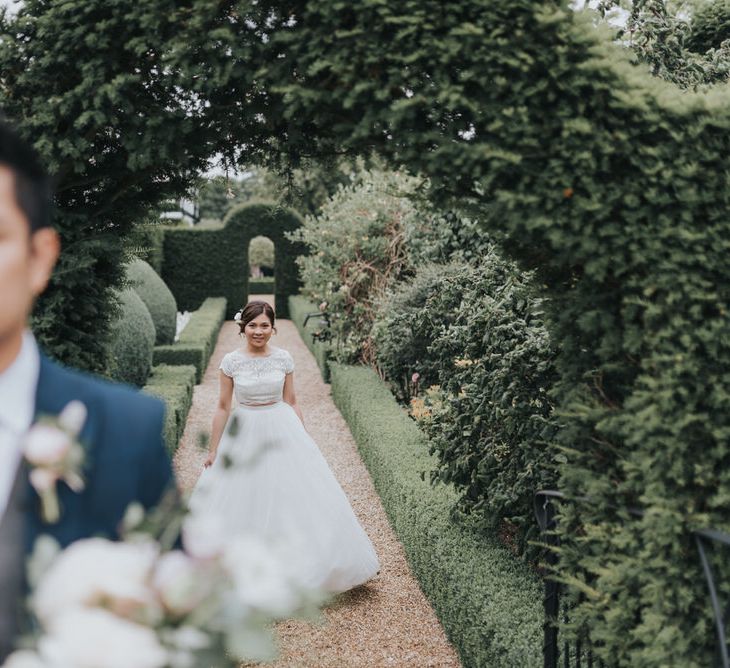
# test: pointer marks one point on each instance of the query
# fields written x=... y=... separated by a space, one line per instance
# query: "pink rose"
x=46 y=446
x=415 y=377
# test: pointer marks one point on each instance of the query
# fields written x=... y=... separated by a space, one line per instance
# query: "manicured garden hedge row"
x=298 y=308
x=197 y=340
x=261 y=286
x=174 y=385
x=212 y=260
x=488 y=601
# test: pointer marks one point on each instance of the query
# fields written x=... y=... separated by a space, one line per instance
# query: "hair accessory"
x=237 y=317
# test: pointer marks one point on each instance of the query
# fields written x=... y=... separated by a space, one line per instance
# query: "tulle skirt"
x=270 y=479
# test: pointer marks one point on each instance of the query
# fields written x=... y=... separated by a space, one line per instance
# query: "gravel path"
x=386 y=622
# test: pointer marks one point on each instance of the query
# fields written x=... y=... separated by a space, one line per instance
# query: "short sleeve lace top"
x=258 y=380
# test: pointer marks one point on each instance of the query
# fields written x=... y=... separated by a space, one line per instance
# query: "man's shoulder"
x=92 y=389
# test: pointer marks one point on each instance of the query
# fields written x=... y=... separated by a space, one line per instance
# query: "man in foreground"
x=124 y=456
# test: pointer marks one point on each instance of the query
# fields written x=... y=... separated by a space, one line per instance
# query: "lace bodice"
x=258 y=380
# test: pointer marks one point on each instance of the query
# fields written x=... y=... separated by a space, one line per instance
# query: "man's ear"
x=45 y=247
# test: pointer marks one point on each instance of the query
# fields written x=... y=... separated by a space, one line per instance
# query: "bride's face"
x=258 y=331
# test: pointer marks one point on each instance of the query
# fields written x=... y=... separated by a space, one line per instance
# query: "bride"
x=265 y=475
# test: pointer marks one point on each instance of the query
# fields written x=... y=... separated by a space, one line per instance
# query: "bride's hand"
x=209 y=461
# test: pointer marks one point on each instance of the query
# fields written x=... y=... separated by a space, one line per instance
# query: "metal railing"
x=557 y=651
x=324 y=323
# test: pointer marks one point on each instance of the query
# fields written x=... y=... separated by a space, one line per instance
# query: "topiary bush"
x=132 y=340
x=157 y=298
x=261 y=253
x=212 y=261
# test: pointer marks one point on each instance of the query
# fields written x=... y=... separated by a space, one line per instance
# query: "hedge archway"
x=212 y=261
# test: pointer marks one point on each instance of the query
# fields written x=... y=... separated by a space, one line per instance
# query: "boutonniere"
x=53 y=453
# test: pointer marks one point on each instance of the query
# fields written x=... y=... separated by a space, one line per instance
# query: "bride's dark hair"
x=253 y=310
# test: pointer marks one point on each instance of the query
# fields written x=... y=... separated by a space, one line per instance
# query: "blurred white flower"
x=42 y=479
x=95 y=571
x=73 y=417
x=180 y=582
x=46 y=445
x=237 y=317
x=188 y=637
x=24 y=659
x=204 y=535
x=261 y=581
x=96 y=638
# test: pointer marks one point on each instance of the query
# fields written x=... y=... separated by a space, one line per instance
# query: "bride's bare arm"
x=220 y=417
x=290 y=396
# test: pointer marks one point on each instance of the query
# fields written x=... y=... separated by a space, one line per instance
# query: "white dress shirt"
x=18 y=385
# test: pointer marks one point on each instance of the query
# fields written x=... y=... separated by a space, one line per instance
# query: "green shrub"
x=489 y=603
x=261 y=252
x=174 y=385
x=204 y=324
x=355 y=251
x=710 y=26
x=261 y=286
x=157 y=298
x=299 y=307
x=132 y=340
x=212 y=260
x=475 y=335
x=491 y=421
x=176 y=354
x=197 y=341
x=443 y=237
x=408 y=319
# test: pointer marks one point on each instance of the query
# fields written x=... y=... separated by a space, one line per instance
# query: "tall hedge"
x=212 y=261
x=613 y=186
x=157 y=298
x=132 y=340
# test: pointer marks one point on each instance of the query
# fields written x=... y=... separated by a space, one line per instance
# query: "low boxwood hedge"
x=261 y=286
x=299 y=307
x=489 y=603
x=197 y=340
x=174 y=385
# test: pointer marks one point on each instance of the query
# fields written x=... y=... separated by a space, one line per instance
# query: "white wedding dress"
x=270 y=479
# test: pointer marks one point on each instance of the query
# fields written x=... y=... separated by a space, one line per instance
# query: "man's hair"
x=33 y=188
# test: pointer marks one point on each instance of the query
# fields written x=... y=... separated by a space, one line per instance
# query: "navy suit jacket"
x=125 y=460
